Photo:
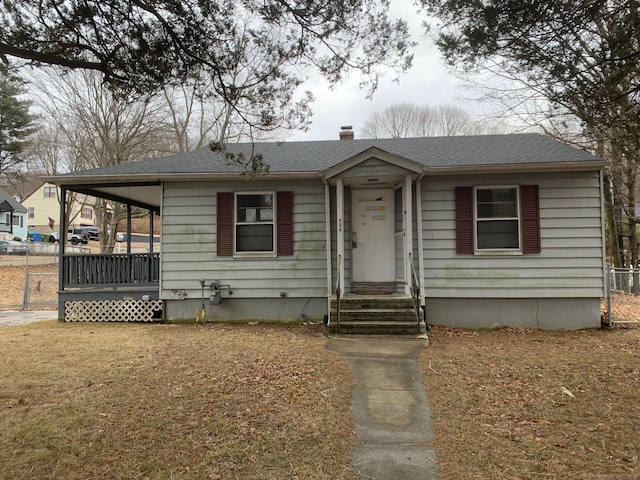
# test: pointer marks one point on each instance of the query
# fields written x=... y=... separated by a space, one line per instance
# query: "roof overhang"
x=578 y=166
x=145 y=190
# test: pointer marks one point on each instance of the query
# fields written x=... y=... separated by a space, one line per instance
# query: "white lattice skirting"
x=112 y=311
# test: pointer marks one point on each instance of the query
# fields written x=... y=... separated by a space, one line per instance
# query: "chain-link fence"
x=622 y=305
x=40 y=289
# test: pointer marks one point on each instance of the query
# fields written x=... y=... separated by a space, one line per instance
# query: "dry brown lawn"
x=521 y=404
x=121 y=401
x=124 y=401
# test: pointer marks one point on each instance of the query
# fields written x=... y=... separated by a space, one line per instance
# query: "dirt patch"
x=125 y=401
x=524 y=404
x=12 y=285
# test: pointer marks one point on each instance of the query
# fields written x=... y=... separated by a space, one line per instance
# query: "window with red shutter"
x=246 y=223
x=285 y=223
x=224 y=230
x=530 y=206
x=464 y=219
x=497 y=219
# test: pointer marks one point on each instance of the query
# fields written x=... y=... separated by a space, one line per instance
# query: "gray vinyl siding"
x=189 y=243
x=570 y=264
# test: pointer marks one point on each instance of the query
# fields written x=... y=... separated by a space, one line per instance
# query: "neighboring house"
x=479 y=230
x=13 y=217
x=44 y=209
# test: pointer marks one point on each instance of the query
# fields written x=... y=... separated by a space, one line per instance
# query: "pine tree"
x=16 y=122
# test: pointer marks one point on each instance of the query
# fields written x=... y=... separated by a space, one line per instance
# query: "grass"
x=521 y=404
x=123 y=401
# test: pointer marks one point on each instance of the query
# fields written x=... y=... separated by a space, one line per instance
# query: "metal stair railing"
x=338 y=294
x=415 y=289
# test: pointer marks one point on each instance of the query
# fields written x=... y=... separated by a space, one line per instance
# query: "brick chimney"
x=346 y=132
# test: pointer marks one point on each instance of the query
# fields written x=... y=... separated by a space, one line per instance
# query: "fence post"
x=25 y=297
x=609 y=300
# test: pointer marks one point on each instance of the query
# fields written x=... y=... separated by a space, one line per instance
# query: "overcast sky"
x=427 y=83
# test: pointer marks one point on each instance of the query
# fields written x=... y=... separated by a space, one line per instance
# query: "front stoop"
x=374 y=314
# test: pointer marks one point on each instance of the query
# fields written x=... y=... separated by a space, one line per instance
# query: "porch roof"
x=511 y=152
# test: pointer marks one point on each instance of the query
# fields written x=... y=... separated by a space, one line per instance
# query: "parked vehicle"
x=90 y=232
x=12 y=247
x=74 y=237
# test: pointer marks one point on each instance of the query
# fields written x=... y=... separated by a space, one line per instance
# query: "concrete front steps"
x=374 y=314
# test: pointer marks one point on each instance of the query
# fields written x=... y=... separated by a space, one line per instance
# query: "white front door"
x=372 y=236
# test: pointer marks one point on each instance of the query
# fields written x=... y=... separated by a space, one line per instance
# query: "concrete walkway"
x=12 y=318
x=390 y=408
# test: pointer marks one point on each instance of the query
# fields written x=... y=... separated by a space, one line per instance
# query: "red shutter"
x=285 y=223
x=224 y=231
x=530 y=205
x=464 y=219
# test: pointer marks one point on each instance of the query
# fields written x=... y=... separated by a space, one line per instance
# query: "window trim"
x=31 y=212
x=274 y=225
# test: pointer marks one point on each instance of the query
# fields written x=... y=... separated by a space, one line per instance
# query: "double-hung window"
x=254 y=224
x=49 y=192
x=497 y=218
x=255 y=228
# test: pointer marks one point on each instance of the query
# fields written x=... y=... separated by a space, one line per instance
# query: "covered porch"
x=111 y=287
x=374 y=226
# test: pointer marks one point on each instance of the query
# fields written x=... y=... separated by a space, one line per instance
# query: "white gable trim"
x=370 y=153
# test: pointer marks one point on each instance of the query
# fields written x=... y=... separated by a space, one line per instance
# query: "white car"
x=12 y=247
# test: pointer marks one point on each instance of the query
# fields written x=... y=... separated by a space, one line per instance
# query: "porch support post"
x=407 y=224
x=420 y=238
x=62 y=238
x=327 y=240
x=151 y=238
x=340 y=232
x=128 y=228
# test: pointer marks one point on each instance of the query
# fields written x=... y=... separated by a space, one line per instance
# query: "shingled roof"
x=317 y=156
x=11 y=202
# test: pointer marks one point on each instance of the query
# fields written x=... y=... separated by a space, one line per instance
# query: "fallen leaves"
x=150 y=401
x=524 y=404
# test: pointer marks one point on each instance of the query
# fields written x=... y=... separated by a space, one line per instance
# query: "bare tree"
x=198 y=113
x=98 y=128
x=409 y=120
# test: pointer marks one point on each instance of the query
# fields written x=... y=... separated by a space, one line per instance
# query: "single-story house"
x=13 y=217
x=470 y=231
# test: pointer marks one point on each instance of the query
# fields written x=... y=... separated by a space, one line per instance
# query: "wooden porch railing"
x=111 y=270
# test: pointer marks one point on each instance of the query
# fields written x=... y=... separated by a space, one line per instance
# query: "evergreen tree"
x=16 y=123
